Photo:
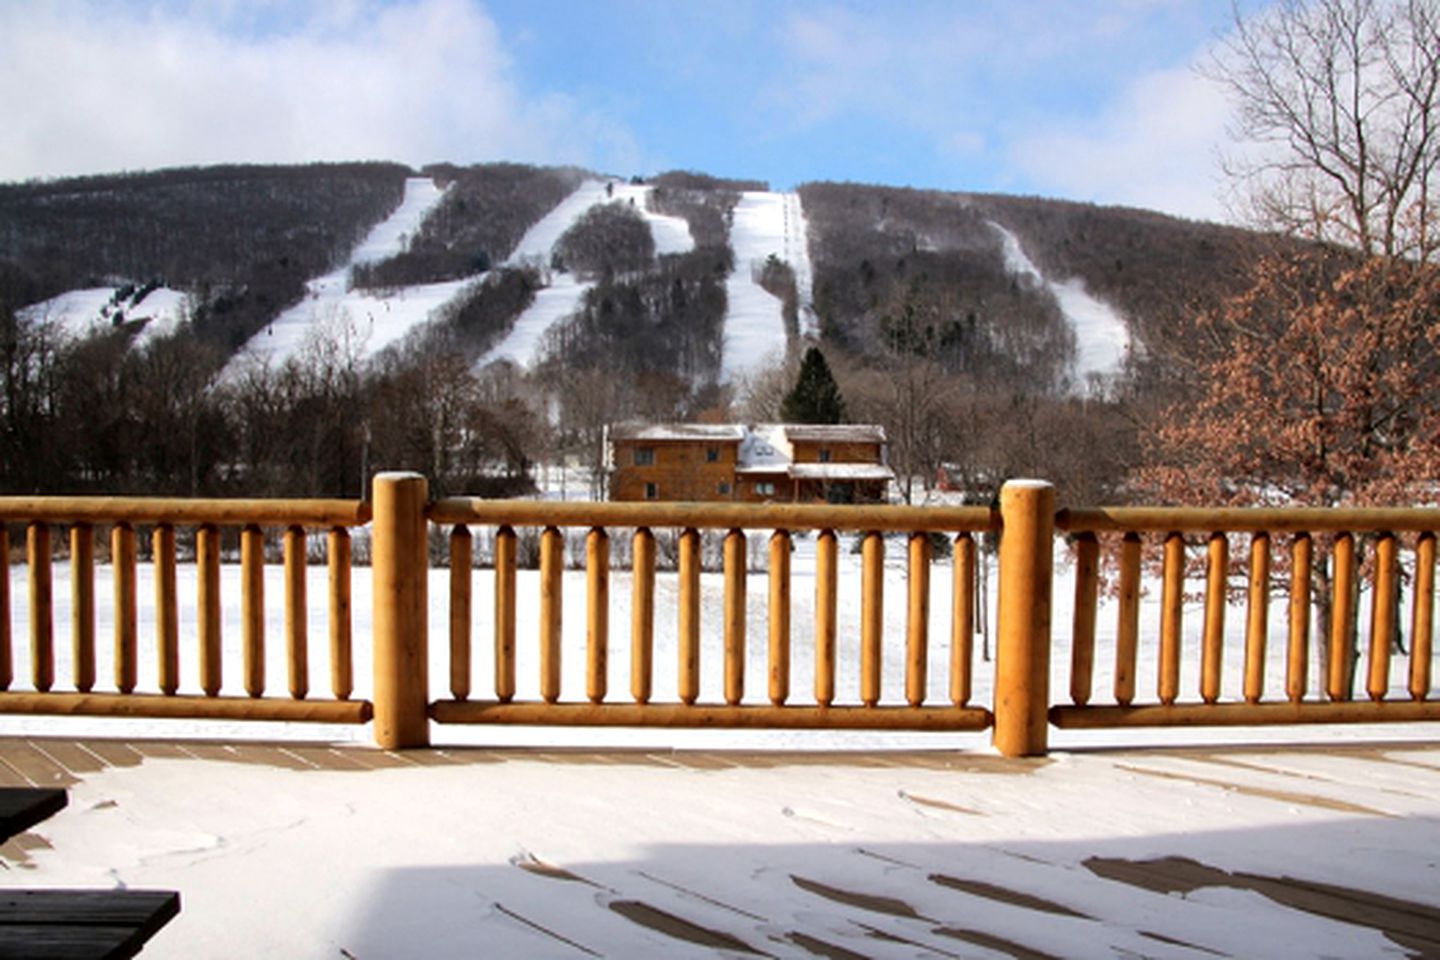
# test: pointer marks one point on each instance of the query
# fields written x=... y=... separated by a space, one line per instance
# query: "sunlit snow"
x=371 y=319
x=765 y=224
x=566 y=291
x=1101 y=336
x=79 y=313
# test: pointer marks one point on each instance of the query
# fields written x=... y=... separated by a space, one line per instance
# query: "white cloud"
x=1154 y=147
x=89 y=87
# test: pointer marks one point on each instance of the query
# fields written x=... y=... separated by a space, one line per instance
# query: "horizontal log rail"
x=315 y=514
x=86 y=518
x=1246 y=519
x=639 y=521
x=1327 y=564
x=713 y=516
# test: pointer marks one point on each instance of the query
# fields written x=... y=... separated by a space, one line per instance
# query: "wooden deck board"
x=71 y=755
x=114 y=753
x=37 y=768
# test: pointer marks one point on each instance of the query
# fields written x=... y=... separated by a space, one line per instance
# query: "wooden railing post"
x=400 y=566
x=1022 y=657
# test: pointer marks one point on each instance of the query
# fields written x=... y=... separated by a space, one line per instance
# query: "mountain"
x=585 y=298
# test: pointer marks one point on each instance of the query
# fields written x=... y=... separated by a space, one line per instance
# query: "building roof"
x=663 y=432
x=834 y=433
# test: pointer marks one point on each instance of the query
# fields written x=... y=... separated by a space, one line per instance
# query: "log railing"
x=783 y=704
x=1363 y=558
x=119 y=523
x=1369 y=659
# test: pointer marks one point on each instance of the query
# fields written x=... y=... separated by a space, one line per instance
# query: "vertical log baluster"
x=1172 y=598
x=597 y=602
x=297 y=616
x=1212 y=650
x=1297 y=653
x=552 y=594
x=1422 y=618
x=207 y=558
x=734 y=562
x=917 y=624
x=1384 y=617
x=962 y=619
x=82 y=605
x=167 y=609
x=462 y=555
x=1339 y=684
x=1087 y=595
x=7 y=657
x=342 y=665
x=826 y=584
x=1127 y=628
x=252 y=608
x=42 y=625
x=505 y=556
x=689 y=617
x=872 y=616
x=122 y=559
x=780 y=547
x=1257 y=617
x=642 y=615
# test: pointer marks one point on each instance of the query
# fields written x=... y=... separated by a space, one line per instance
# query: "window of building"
x=712 y=454
x=724 y=488
x=765 y=489
x=824 y=455
x=652 y=491
x=644 y=456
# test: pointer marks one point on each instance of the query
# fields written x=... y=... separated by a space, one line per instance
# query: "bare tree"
x=1338 y=100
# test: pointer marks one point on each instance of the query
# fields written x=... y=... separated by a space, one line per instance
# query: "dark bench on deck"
x=71 y=924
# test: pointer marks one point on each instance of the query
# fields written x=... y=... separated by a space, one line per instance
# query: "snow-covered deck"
x=306 y=850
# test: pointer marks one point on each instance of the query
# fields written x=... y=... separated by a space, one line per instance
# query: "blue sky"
x=1094 y=100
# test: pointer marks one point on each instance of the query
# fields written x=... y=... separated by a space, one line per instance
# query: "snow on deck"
x=306 y=851
x=1101 y=336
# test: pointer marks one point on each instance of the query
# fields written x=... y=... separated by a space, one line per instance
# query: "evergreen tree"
x=816 y=397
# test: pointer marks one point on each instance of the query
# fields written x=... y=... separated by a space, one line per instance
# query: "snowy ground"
x=1101 y=337
x=80 y=313
x=1180 y=854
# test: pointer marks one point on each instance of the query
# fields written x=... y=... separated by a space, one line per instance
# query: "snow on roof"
x=841 y=471
x=835 y=433
x=765 y=450
x=662 y=432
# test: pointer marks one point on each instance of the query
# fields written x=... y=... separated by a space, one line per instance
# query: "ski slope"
x=1101 y=337
x=765 y=224
x=370 y=320
x=80 y=313
x=565 y=292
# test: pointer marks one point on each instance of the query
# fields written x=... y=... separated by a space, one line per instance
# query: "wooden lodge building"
x=781 y=462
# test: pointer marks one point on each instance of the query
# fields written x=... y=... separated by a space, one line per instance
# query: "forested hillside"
x=940 y=313
x=242 y=239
